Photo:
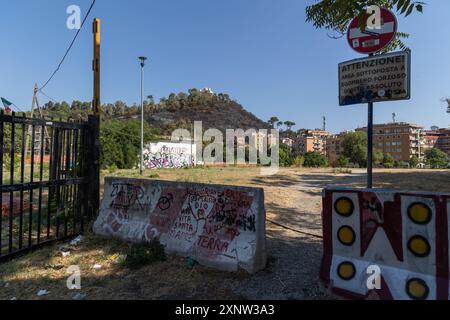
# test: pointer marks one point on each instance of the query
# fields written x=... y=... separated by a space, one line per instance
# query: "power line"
x=70 y=47
x=20 y=110
x=47 y=96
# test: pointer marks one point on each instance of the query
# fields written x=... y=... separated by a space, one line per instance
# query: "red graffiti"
x=213 y=244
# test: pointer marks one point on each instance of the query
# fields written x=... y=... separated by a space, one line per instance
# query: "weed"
x=145 y=253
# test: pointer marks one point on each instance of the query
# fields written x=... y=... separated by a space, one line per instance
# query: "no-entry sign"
x=373 y=38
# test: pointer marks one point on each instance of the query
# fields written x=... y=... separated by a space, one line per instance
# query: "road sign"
x=385 y=77
x=373 y=38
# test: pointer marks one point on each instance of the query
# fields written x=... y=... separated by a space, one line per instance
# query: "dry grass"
x=293 y=199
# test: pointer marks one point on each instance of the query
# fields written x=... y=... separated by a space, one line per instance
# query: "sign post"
x=366 y=80
x=370 y=146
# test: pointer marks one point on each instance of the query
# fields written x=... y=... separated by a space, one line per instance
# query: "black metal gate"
x=46 y=193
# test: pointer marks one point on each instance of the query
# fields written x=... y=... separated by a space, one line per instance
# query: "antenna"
x=324 y=123
x=448 y=108
x=394 y=117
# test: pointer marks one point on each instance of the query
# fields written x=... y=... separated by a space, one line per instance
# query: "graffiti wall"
x=388 y=245
x=168 y=155
x=219 y=226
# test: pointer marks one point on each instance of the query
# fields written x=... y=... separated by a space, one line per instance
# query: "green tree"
x=388 y=161
x=354 y=147
x=377 y=157
x=336 y=15
x=120 y=142
x=315 y=159
x=289 y=125
x=414 y=162
x=286 y=159
x=436 y=158
x=279 y=125
x=299 y=161
x=273 y=121
x=342 y=162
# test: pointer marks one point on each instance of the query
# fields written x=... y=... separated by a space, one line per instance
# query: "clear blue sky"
x=261 y=52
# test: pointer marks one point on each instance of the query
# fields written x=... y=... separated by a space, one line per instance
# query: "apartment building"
x=437 y=139
x=401 y=140
x=313 y=141
x=334 y=147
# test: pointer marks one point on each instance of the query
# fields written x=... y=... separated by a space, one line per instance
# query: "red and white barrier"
x=386 y=244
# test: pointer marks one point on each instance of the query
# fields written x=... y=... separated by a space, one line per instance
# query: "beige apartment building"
x=401 y=140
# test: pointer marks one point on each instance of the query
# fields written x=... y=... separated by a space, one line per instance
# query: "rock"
x=58 y=266
x=79 y=296
x=42 y=293
x=76 y=241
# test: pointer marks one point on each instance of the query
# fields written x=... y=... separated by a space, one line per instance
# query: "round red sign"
x=377 y=35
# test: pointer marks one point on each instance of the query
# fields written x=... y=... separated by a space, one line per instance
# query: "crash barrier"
x=219 y=226
x=385 y=244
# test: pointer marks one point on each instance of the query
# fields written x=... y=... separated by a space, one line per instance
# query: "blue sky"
x=261 y=52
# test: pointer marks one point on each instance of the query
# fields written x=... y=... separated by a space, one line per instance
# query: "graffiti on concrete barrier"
x=164 y=155
x=204 y=222
x=125 y=196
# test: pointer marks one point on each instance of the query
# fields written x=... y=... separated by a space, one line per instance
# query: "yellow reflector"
x=417 y=289
x=346 y=235
x=346 y=271
x=344 y=206
x=419 y=246
x=420 y=213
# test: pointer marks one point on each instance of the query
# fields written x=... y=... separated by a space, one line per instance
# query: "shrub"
x=145 y=253
x=388 y=161
x=112 y=168
x=299 y=161
x=436 y=158
x=315 y=159
x=154 y=175
x=414 y=162
x=342 y=162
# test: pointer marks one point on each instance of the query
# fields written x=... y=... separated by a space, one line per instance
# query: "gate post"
x=93 y=165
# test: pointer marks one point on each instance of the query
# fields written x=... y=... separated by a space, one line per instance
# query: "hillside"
x=214 y=110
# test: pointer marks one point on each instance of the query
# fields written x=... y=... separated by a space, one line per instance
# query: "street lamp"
x=141 y=167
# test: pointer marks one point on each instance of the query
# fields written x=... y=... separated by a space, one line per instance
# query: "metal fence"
x=44 y=181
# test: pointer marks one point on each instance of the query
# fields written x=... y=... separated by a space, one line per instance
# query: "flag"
x=7 y=105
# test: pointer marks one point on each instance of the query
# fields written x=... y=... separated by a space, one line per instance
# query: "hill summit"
x=217 y=111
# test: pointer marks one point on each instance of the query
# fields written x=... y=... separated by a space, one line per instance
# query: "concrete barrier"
x=381 y=244
x=220 y=226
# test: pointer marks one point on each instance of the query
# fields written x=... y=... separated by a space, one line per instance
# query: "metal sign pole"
x=370 y=144
x=370 y=147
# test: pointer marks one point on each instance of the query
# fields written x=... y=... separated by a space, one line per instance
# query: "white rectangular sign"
x=384 y=77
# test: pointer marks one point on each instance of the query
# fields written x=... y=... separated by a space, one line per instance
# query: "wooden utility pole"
x=93 y=138
x=96 y=67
